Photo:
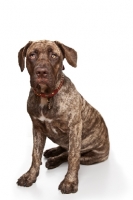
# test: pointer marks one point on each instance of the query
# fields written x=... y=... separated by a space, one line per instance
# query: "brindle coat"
x=67 y=118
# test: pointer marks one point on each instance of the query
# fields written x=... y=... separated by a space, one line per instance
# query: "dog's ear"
x=68 y=53
x=22 y=55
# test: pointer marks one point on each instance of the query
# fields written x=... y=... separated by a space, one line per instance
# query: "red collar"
x=52 y=93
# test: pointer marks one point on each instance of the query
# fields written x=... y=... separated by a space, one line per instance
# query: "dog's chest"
x=42 y=118
x=55 y=128
x=47 y=122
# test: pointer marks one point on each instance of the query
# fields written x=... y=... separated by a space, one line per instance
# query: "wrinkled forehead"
x=43 y=45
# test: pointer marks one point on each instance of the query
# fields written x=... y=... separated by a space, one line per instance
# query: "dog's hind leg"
x=54 y=152
x=54 y=162
x=93 y=157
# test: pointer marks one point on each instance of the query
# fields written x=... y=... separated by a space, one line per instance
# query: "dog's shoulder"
x=69 y=94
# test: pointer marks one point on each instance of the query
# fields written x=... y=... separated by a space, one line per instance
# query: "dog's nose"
x=41 y=72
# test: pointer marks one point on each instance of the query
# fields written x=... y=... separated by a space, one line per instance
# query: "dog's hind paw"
x=53 y=152
x=53 y=162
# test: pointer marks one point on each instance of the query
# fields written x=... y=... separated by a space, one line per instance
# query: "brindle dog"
x=60 y=113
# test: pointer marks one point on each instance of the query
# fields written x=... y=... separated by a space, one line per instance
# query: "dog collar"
x=52 y=93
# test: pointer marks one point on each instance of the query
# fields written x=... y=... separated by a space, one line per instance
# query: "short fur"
x=70 y=121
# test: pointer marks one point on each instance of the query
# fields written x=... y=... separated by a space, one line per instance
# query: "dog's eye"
x=54 y=56
x=32 y=55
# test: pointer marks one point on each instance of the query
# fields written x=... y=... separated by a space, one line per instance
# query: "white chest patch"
x=42 y=118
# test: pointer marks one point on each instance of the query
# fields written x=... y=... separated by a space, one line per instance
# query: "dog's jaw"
x=43 y=87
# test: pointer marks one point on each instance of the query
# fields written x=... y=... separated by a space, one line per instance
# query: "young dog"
x=60 y=113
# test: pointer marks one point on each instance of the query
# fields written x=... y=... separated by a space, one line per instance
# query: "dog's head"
x=44 y=62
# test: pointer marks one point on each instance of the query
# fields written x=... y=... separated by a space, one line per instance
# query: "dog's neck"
x=43 y=88
x=45 y=98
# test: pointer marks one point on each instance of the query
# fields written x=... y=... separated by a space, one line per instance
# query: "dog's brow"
x=48 y=43
x=55 y=46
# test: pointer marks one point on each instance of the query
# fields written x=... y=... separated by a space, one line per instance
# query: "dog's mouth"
x=45 y=84
x=41 y=81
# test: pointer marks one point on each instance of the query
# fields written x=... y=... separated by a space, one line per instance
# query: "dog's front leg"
x=70 y=182
x=29 y=178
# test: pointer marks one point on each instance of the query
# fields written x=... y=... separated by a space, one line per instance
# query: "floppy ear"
x=22 y=55
x=68 y=53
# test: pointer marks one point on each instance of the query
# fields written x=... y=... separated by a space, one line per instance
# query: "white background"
x=101 y=31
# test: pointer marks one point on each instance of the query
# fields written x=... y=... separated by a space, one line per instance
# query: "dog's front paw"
x=68 y=187
x=26 y=179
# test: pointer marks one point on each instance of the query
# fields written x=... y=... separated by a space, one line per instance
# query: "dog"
x=58 y=111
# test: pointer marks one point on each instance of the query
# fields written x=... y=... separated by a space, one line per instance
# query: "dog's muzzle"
x=41 y=75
